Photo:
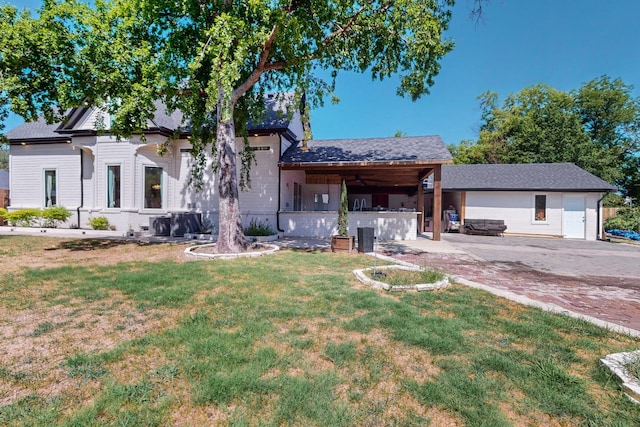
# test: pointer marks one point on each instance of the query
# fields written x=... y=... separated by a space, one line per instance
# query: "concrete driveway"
x=560 y=256
x=599 y=281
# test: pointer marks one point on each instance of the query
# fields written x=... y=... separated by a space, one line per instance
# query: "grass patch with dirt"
x=405 y=277
x=287 y=339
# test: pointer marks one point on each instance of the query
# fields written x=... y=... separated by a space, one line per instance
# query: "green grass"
x=633 y=367
x=292 y=339
x=401 y=277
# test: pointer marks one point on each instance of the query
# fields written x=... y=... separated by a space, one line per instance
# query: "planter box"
x=343 y=243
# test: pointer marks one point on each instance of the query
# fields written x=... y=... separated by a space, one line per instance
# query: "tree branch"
x=260 y=68
x=264 y=66
x=347 y=27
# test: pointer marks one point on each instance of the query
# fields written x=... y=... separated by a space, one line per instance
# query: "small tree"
x=343 y=211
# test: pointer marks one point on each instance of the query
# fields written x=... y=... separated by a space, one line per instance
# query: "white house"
x=92 y=174
x=295 y=184
x=544 y=199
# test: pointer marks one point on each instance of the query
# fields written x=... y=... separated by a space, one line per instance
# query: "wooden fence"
x=4 y=198
x=608 y=213
x=4 y=201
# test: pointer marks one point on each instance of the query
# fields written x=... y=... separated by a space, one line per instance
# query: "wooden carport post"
x=420 y=207
x=437 y=201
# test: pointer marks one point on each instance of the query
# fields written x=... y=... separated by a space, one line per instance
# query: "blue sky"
x=518 y=43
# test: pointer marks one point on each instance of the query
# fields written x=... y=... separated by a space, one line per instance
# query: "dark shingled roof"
x=35 y=130
x=162 y=121
x=276 y=117
x=510 y=177
x=404 y=149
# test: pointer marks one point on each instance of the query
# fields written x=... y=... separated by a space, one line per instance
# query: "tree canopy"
x=4 y=157
x=597 y=127
x=213 y=60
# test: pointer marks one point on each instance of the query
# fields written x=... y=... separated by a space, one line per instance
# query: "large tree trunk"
x=230 y=236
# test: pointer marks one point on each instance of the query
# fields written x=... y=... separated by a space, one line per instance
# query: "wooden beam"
x=463 y=206
x=420 y=207
x=437 y=202
x=322 y=179
x=424 y=174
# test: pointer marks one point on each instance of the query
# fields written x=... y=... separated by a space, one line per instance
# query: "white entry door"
x=573 y=218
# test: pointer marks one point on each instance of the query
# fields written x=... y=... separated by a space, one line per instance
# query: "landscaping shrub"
x=257 y=228
x=23 y=217
x=627 y=218
x=53 y=215
x=3 y=213
x=99 y=223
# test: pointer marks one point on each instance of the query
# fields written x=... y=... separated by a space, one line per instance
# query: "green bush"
x=257 y=228
x=23 y=217
x=3 y=213
x=99 y=223
x=627 y=218
x=53 y=215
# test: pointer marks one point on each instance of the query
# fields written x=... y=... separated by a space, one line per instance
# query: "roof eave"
x=375 y=163
x=27 y=141
x=549 y=190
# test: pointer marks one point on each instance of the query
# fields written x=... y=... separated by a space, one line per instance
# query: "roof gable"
x=511 y=177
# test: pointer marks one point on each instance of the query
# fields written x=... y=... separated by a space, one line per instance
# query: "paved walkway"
x=597 y=281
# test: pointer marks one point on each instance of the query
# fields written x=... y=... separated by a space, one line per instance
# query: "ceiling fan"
x=358 y=178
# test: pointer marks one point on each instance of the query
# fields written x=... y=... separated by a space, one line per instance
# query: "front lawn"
x=93 y=337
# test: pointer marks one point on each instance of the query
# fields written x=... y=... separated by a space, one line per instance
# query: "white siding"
x=289 y=179
x=386 y=225
x=295 y=125
x=262 y=197
x=88 y=122
x=28 y=164
x=88 y=177
x=111 y=152
x=591 y=214
x=516 y=208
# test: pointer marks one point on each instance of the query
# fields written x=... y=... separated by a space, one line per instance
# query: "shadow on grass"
x=95 y=244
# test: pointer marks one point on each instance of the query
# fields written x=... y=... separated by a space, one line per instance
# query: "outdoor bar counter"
x=387 y=224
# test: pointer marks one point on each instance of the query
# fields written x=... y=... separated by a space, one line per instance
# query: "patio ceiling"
x=379 y=175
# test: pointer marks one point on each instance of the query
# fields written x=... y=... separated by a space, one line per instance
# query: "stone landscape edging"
x=360 y=274
x=617 y=362
x=190 y=251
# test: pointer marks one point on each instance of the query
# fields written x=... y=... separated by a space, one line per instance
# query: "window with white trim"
x=152 y=187
x=113 y=186
x=540 y=208
x=50 y=188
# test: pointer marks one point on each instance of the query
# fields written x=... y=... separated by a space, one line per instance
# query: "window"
x=50 y=188
x=540 y=210
x=113 y=186
x=297 y=197
x=321 y=202
x=152 y=187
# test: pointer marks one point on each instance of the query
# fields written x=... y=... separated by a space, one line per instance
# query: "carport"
x=378 y=168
